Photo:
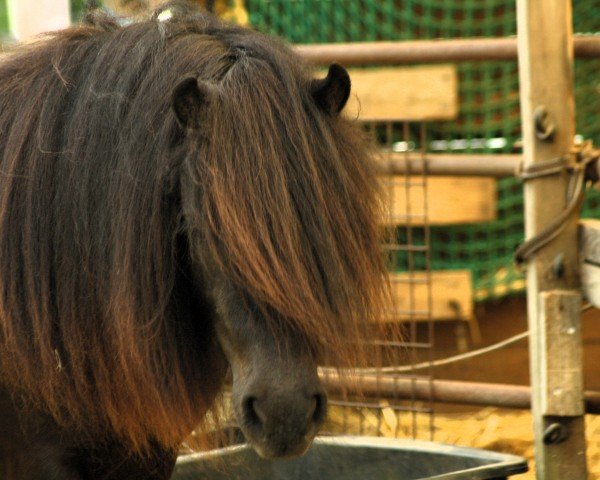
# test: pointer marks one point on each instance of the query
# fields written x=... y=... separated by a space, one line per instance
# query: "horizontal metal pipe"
x=430 y=51
x=441 y=391
x=469 y=165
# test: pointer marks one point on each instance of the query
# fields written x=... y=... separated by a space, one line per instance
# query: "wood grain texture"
x=404 y=93
x=449 y=200
x=450 y=293
x=562 y=372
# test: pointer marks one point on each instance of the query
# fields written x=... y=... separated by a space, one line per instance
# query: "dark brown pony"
x=176 y=196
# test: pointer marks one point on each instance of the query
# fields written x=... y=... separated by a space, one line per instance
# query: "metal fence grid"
x=391 y=406
x=385 y=402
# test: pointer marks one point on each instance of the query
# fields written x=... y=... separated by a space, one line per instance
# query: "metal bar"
x=470 y=165
x=397 y=408
x=441 y=391
x=429 y=51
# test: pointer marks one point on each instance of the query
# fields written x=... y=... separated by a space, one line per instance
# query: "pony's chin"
x=271 y=452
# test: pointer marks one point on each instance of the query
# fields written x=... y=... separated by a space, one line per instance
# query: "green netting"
x=77 y=7
x=489 y=110
x=3 y=17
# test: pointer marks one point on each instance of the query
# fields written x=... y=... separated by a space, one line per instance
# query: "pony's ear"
x=190 y=99
x=331 y=93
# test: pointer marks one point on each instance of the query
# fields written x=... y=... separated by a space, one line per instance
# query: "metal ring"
x=544 y=126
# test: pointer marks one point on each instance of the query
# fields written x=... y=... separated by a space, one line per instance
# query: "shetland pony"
x=178 y=197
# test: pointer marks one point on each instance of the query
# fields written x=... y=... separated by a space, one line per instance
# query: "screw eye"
x=544 y=126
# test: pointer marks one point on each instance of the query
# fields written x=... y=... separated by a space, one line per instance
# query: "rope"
x=577 y=164
x=529 y=248
x=443 y=361
x=436 y=363
x=543 y=169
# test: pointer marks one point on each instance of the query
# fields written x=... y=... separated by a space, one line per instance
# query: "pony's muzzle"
x=283 y=424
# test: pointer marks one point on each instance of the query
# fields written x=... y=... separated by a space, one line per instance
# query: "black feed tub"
x=354 y=458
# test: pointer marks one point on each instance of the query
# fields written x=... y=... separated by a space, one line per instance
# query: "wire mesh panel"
x=393 y=395
x=389 y=403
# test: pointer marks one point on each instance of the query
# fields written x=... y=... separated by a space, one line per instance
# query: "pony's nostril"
x=319 y=410
x=258 y=411
x=254 y=413
x=249 y=412
x=312 y=409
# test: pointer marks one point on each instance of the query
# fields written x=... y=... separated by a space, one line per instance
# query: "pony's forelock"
x=289 y=205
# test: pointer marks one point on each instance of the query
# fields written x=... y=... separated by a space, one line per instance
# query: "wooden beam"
x=438 y=295
x=562 y=372
x=545 y=42
x=404 y=93
x=449 y=200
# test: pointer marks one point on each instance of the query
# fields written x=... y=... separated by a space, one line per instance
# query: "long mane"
x=101 y=192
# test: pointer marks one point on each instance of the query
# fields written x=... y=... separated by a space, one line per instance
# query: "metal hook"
x=544 y=126
x=555 y=433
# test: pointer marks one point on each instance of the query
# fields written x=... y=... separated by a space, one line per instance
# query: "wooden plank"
x=449 y=200
x=404 y=93
x=562 y=372
x=451 y=296
x=589 y=238
x=545 y=43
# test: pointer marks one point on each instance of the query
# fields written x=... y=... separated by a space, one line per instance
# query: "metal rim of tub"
x=500 y=465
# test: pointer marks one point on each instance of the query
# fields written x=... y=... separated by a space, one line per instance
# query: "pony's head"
x=182 y=194
x=280 y=211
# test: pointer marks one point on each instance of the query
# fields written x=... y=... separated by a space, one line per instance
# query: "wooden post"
x=545 y=44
